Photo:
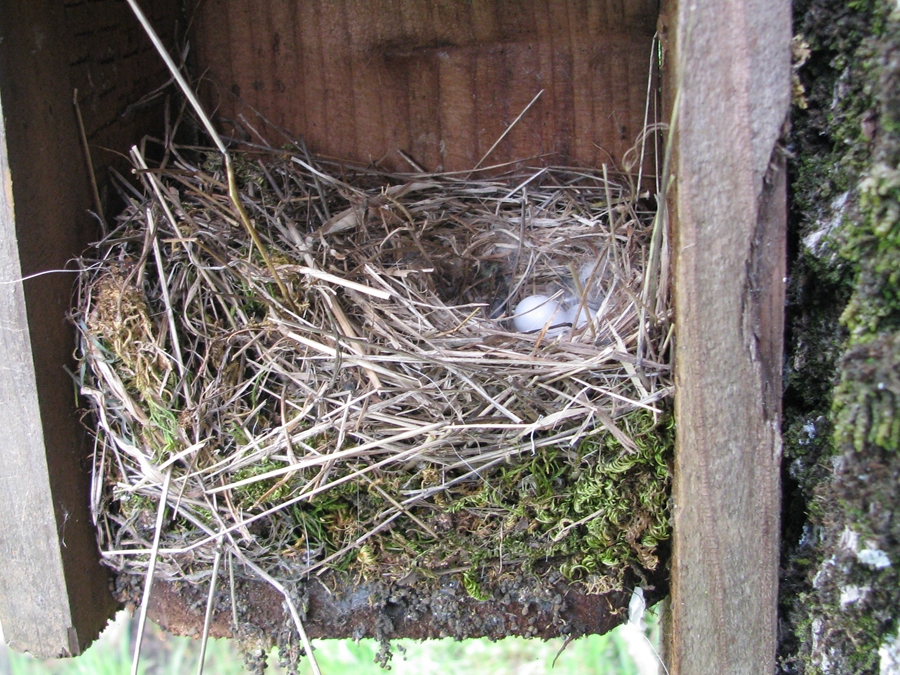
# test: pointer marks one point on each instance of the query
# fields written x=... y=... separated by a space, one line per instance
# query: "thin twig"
x=507 y=130
x=207 y=618
x=292 y=608
x=151 y=568
x=95 y=193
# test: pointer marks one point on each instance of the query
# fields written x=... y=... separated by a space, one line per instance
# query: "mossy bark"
x=841 y=571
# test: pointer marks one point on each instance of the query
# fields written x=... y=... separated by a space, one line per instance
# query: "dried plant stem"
x=207 y=617
x=214 y=135
x=151 y=568
x=95 y=193
x=254 y=235
x=176 y=73
x=508 y=129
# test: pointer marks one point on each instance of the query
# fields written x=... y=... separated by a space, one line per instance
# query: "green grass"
x=163 y=654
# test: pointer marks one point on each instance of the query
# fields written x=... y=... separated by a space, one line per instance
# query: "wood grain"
x=355 y=612
x=438 y=79
x=732 y=71
x=26 y=502
x=54 y=596
x=42 y=530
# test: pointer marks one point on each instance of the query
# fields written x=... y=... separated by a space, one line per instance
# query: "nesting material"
x=342 y=392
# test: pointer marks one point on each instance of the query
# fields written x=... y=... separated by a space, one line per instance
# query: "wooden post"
x=731 y=63
x=32 y=583
x=53 y=593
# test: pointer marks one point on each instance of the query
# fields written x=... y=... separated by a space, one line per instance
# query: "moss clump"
x=874 y=249
x=842 y=432
x=831 y=135
x=270 y=490
x=592 y=514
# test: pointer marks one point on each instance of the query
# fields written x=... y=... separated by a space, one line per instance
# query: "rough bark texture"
x=840 y=584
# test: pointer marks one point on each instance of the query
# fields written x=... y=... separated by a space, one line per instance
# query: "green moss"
x=132 y=504
x=593 y=513
x=865 y=405
x=472 y=584
x=842 y=436
x=270 y=490
x=873 y=248
x=161 y=432
x=829 y=142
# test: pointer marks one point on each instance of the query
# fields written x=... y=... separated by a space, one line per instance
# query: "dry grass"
x=344 y=374
x=299 y=368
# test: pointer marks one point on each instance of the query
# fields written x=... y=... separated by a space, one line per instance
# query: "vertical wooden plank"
x=732 y=70
x=309 y=36
x=286 y=65
x=421 y=77
x=32 y=582
x=49 y=567
x=457 y=83
x=491 y=115
x=54 y=596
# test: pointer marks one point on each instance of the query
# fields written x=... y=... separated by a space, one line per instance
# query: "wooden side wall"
x=730 y=64
x=54 y=597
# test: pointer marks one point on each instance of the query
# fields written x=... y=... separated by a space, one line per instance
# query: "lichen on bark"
x=840 y=584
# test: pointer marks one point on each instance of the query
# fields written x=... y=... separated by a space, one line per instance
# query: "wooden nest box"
x=433 y=84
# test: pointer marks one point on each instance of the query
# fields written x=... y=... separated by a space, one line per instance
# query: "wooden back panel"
x=438 y=79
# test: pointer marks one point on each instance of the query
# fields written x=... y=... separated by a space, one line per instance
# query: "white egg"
x=537 y=311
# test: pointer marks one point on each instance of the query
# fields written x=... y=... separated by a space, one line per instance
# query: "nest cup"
x=340 y=391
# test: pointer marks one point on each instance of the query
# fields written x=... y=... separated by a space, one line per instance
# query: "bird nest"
x=335 y=386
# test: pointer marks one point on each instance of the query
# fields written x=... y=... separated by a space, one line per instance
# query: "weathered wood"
x=46 y=534
x=360 y=610
x=438 y=79
x=54 y=596
x=32 y=583
x=731 y=65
